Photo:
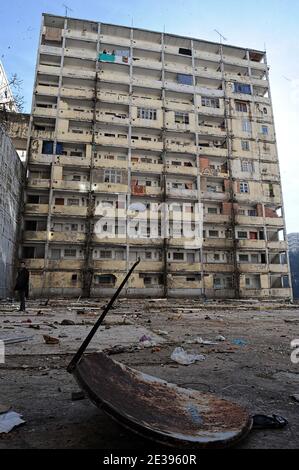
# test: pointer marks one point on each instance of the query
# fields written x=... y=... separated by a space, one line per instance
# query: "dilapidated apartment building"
x=135 y=133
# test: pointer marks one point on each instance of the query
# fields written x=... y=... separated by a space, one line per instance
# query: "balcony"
x=119 y=164
x=52 y=50
x=279 y=268
x=71 y=185
x=33 y=264
x=181 y=147
x=38 y=183
x=182 y=193
x=213 y=151
x=211 y=131
x=252 y=244
x=175 y=267
x=44 y=112
x=114 y=141
x=180 y=170
x=30 y=236
x=278 y=245
x=147 y=145
x=110 y=188
x=105 y=266
x=67 y=237
x=47 y=90
x=78 y=34
x=207 y=56
x=69 y=264
x=216 y=219
x=85 y=136
x=178 y=106
x=40 y=209
x=49 y=70
x=222 y=243
x=139 y=190
x=76 y=162
x=77 y=92
x=80 y=52
x=110 y=97
x=218 y=268
x=156 y=168
x=253 y=268
x=72 y=211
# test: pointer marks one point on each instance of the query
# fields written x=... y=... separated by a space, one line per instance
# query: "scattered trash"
x=9 y=420
x=239 y=342
x=156 y=349
x=180 y=356
x=39 y=313
x=161 y=333
x=51 y=340
x=295 y=397
x=220 y=338
x=4 y=408
x=200 y=341
x=67 y=323
x=34 y=327
x=147 y=342
x=20 y=339
x=295 y=320
x=76 y=396
x=207 y=317
x=269 y=422
x=81 y=312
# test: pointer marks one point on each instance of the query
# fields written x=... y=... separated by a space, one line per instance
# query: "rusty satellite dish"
x=153 y=408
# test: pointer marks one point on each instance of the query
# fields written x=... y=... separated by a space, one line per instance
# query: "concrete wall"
x=11 y=179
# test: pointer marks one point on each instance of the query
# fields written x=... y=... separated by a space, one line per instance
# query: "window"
x=181 y=118
x=216 y=257
x=74 y=227
x=74 y=277
x=210 y=102
x=242 y=88
x=70 y=253
x=105 y=254
x=55 y=254
x=76 y=178
x=184 y=51
x=184 y=79
x=106 y=280
x=212 y=210
x=112 y=176
x=145 y=113
x=244 y=188
x=243 y=258
x=265 y=130
x=245 y=145
x=241 y=107
x=242 y=235
x=73 y=202
x=59 y=201
x=247 y=166
x=246 y=125
x=178 y=256
x=148 y=255
x=252 y=213
x=213 y=233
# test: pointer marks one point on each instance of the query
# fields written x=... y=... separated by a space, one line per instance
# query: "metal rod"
x=94 y=329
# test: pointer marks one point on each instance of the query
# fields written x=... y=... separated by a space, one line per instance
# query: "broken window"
x=184 y=51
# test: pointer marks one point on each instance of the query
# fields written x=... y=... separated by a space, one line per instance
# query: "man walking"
x=22 y=285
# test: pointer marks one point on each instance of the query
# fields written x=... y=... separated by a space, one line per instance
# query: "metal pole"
x=94 y=329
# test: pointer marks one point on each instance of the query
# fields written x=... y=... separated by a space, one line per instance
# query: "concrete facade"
x=7 y=101
x=126 y=121
x=11 y=181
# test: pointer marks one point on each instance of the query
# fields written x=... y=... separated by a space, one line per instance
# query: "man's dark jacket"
x=22 y=282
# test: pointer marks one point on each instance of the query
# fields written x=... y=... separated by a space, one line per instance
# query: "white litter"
x=180 y=356
x=220 y=338
x=10 y=420
x=200 y=341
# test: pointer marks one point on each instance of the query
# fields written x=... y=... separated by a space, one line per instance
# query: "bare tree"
x=8 y=103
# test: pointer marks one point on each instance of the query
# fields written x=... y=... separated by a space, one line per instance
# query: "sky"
x=257 y=24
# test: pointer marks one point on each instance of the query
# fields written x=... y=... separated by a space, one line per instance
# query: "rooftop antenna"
x=221 y=37
x=67 y=9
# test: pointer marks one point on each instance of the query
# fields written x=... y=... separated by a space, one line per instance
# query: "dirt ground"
x=256 y=372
